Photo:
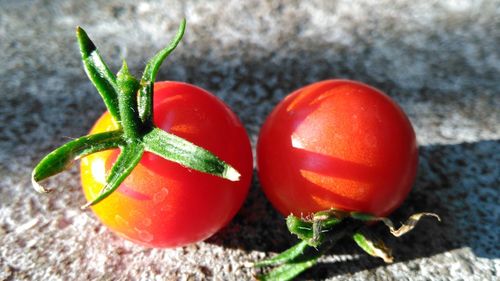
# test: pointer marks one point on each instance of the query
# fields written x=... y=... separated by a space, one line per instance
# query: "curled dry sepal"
x=321 y=231
x=130 y=103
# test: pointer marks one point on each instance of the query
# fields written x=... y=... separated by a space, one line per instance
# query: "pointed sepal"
x=62 y=158
x=155 y=62
x=405 y=227
x=187 y=154
x=149 y=76
x=129 y=157
x=289 y=271
x=286 y=256
x=98 y=72
x=373 y=248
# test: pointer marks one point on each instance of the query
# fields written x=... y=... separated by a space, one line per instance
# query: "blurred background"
x=440 y=60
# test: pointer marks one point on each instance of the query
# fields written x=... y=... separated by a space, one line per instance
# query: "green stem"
x=127 y=102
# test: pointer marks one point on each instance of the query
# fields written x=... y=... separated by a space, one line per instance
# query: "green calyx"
x=130 y=103
x=319 y=233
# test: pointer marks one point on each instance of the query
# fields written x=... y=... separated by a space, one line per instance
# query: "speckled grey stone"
x=439 y=59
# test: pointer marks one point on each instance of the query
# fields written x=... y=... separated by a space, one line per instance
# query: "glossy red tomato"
x=162 y=204
x=337 y=144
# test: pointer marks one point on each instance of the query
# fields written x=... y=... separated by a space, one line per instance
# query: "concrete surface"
x=439 y=59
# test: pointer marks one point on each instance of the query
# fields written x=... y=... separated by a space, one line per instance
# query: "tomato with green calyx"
x=161 y=180
x=334 y=156
x=162 y=203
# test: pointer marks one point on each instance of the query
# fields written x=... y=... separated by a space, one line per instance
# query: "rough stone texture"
x=439 y=59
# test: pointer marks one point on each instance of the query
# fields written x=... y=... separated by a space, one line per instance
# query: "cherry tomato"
x=161 y=203
x=337 y=144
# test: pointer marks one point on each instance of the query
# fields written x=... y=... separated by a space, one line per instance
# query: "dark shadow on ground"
x=458 y=181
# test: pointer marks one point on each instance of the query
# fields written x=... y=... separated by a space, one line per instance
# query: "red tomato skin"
x=162 y=204
x=337 y=144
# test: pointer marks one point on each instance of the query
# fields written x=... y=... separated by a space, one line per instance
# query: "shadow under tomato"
x=457 y=181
